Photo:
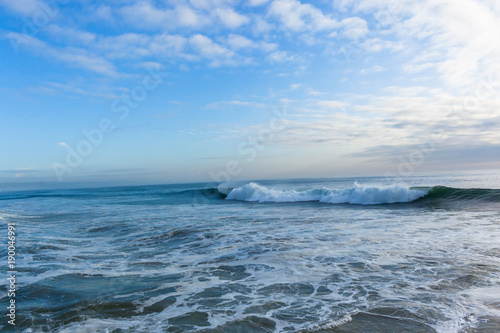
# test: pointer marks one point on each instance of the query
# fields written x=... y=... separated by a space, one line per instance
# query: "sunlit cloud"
x=356 y=77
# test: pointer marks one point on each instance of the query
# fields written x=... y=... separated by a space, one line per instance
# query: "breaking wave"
x=359 y=194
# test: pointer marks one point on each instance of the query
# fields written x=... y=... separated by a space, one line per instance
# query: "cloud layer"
x=367 y=79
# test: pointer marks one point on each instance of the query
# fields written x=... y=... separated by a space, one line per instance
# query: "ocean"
x=415 y=254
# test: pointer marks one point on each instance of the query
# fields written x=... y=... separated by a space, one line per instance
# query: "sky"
x=197 y=90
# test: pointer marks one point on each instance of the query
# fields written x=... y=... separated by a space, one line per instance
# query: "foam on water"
x=359 y=194
x=238 y=267
x=328 y=274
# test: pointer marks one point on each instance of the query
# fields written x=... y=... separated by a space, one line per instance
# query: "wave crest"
x=359 y=194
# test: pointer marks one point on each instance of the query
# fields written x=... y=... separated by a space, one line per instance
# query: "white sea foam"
x=359 y=194
x=300 y=266
x=225 y=188
x=4 y=216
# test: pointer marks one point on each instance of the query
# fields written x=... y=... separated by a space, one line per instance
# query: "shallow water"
x=181 y=258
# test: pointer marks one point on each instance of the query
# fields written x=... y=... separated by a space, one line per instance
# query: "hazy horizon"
x=426 y=177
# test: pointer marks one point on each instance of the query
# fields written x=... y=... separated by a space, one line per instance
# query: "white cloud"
x=313 y=92
x=331 y=104
x=281 y=56
x=68 y=34
x=298 y=17
x=73 y=56
x=139 y=46
x=234 y=103
x=105 y=13
x=27 y=7
x=207 y=47
x=354 y=27
x=144 y=14
x=230 y=18
x=260 y=25
x=194 y=15
x=458 y=39
x=201 y=4
x=210 y=50
x=76 y=87
x=371 y=70
x=151 y=65
x=240 y=42
x=376 y=44
x=390 y=124
x=166 y=45
x=187 y=17
x=128 y=45
x=257 y=2
x=210 y=4
x=81 y=58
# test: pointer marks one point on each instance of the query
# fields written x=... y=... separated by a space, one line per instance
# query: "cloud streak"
x=362 y=79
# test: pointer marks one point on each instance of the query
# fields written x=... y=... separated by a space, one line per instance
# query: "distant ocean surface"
x=419 y=254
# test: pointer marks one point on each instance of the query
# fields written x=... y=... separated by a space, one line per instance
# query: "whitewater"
x=362 y=195
x=419 y=254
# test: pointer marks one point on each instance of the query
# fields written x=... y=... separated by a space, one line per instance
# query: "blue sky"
x=164 y=91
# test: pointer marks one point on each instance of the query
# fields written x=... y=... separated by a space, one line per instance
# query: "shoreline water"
x=159 y=258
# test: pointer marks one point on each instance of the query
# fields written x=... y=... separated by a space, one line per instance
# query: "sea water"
x=419 y=254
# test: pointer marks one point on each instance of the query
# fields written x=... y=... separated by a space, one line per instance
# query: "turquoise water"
x=328 y=255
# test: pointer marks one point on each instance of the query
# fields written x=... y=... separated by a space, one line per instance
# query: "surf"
x=358 y=194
